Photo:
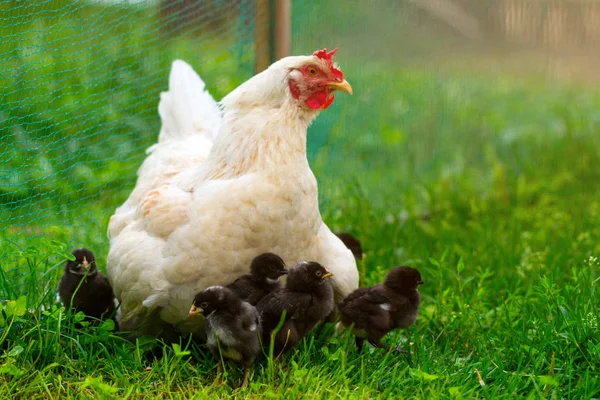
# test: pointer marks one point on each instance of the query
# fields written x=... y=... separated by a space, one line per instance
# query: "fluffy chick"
x=265 y=271
x=307 y=298
x=352 y=243
x=232 y=327
x=379 y=309
x=84 y=288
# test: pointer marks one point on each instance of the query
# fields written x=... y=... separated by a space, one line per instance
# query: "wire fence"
x=80 y=84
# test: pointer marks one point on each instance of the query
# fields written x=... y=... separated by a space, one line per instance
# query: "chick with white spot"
x=265 y=272
x=374 y=311
x=232 y=327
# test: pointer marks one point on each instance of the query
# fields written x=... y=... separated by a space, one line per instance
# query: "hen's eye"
x=203 y=304
x=312 y=71
x=318 y=273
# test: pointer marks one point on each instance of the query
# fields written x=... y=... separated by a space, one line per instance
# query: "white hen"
x=202 y=210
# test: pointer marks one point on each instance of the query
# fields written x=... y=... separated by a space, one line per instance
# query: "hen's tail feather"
x=187 y=108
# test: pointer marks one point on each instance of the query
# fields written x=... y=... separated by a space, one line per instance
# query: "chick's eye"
x=273 y=267
x=203 y=304
x=318 y=273
x=312 y=71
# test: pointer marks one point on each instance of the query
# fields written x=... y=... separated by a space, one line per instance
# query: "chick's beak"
x=194 y=311
x=342 y=86
x=283 y=272
x=85 y=264
x=420 y=282
x=327 y=274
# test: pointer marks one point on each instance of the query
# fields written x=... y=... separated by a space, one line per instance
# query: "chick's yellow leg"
x=219 y=372
x=245 y=380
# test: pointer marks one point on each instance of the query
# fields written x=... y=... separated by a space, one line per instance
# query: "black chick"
x=352 y=243
x=378 y=309
x=307 y=298
x=84 y=288
x=265 y=271
x=232 y=326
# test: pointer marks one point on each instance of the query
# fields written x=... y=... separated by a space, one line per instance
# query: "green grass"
x=487 y=185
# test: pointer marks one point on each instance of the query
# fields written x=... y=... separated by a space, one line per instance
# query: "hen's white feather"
x=201 y=212
x=187 y=108
x=190 y=120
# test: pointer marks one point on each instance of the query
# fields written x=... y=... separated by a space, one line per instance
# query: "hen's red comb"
x=323 y=54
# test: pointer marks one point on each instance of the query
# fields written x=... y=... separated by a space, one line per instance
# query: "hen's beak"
x=327 y=274
x=342 y=86
x=194 y=311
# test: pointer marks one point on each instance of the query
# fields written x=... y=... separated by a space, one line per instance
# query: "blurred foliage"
x=79 y=92
x=81 y=82
x=486 y=182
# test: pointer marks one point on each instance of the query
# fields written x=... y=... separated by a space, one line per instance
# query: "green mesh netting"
x=79 y=90
x=80 y=84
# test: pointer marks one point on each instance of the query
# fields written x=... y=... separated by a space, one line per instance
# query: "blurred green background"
x=470 y=150
x=472 y=113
